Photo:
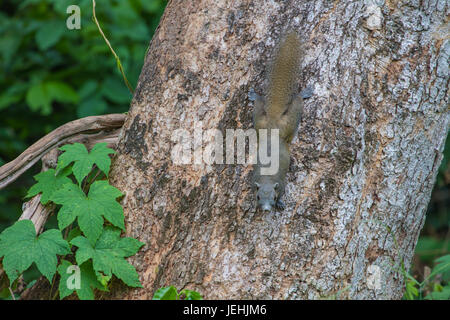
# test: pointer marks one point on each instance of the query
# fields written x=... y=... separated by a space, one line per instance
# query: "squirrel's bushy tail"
x=283 y=73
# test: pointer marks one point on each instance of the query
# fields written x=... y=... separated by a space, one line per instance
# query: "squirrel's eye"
x=257 y=197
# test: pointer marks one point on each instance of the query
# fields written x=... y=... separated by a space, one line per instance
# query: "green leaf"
x=88 y=89
x=10 y=43
x=49 y=33
x=191 y=295
x=100 y=156
x=428 y=248
x=108 y=255
x=8 y=100
x=48 y=182
x=31 y=284
x=61 y=92
x=92 y=107
x=20 y=248
x=66 y=214
x=41 y=95
x=151 y=6
x=411 y=291
x=39 y=99
x=443 y=294
x=115 y=90
x=442 y=266
x=166 y=293
x=87 y=281
x=104 y=280
x=104 y=196
x=75 y=232
x=101 y=201
x=84 y=160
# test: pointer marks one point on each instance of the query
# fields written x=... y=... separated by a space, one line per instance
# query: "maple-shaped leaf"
x=108 y=255
x=48 y=182
x=84 y=286
x=90 y=210
x=84 y=160
x=20 y=247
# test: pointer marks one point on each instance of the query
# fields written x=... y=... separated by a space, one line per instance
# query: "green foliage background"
x=51 y=75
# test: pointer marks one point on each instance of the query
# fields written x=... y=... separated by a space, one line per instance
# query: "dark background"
x=51 y=75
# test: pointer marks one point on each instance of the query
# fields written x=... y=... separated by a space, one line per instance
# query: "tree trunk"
x=363 y=162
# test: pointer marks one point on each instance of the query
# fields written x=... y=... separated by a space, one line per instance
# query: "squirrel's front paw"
x=280 y=205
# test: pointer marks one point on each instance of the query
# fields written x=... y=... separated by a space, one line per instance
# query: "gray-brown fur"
x=280 y=109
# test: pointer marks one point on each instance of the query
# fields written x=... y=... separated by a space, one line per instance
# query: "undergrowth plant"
x=86 y=250
x=435 y=286
x=171 y=293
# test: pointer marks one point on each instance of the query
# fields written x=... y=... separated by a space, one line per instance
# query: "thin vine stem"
x=119 y=64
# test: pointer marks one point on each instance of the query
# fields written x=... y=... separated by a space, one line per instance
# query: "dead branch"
x=75 y=131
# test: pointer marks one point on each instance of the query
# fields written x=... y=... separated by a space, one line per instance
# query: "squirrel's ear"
x=257 y=185
x=276 y=185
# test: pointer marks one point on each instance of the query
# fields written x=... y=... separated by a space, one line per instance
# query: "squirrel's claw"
x=280 y=205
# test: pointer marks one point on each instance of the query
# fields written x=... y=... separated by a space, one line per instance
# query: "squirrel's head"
x=266 y=195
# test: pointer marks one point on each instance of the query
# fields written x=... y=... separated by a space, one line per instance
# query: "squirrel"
x=280 y=109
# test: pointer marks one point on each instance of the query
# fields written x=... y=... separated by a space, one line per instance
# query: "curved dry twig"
x=89 y=129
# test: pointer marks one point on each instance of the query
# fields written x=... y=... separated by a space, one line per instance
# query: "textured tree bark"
x=362 y=166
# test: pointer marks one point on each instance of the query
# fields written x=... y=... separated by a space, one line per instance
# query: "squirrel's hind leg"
x=291 y=118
